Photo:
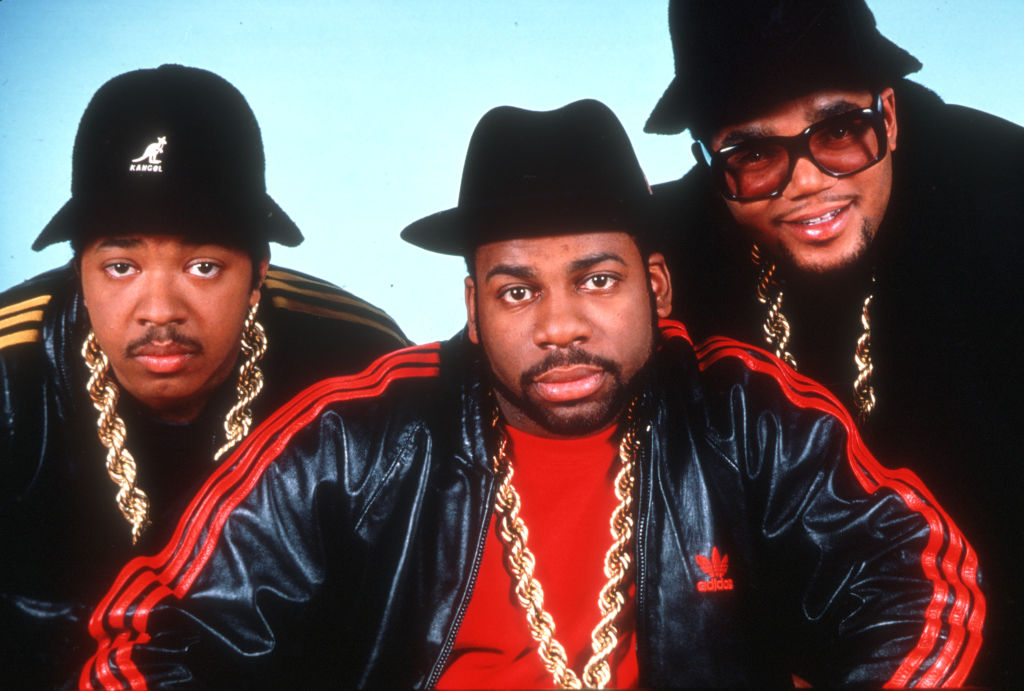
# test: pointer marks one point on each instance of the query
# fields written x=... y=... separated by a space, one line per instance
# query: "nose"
x=159 y=301
x=560 y=321
x=807 y=180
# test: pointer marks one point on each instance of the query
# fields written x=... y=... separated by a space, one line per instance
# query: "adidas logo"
x=151 y=156
x=715 y=569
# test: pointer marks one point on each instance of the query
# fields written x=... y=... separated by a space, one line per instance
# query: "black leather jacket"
x=62 y=538
x=339 y=545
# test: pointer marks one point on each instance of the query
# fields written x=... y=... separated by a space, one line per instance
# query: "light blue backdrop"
x=366 y=107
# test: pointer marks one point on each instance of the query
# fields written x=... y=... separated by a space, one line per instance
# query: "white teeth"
x=821 y=219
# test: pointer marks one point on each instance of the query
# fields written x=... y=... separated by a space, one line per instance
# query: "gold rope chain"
x=131 y=500
x=521 y=562
x=777 y=331
x=104 y=393
x=250 y=383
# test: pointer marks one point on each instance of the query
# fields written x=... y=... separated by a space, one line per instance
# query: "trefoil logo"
x=715 y=568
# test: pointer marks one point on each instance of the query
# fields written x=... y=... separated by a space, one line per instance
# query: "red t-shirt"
x=567 y=495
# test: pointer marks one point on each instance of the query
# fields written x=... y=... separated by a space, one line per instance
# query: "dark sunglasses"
x=761 y=167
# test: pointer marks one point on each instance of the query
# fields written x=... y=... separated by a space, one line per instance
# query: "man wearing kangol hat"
x=127 y=373
x=697 y=516
x=870 y=235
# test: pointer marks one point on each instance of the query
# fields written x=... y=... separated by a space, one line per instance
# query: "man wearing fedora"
x=868 y=234
x=125 y=374
x=566 y=493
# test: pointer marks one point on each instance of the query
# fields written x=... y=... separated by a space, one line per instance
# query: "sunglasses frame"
x=796 y=146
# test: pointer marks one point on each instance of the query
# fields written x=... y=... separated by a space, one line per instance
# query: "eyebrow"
x=588 y=261
x=513 y=270
x=123 y=243
x=525 y=272
x=815 y=115
x=743 y=133
x=831 y=109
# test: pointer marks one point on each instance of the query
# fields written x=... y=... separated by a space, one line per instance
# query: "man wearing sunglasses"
x=868 y=234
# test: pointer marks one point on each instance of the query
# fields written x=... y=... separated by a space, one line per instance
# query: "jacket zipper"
x=449 y=643
x=640 y=552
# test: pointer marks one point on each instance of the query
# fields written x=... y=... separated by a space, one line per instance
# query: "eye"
x=118 y=269
x=516 y=294
x=599 y=282
x=205 y=269
x=843 y=132
x=753 y=155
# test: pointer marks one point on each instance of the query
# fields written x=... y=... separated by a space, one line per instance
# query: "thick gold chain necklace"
x=521 y=562
x=777 y=331
x=131 y=499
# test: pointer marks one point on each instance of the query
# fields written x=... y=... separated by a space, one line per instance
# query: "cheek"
x=753 y=217
x=220 y=323
x=878 y=193
x=109 y=315
x=505 y=342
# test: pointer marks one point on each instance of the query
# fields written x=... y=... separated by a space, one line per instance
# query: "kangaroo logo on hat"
x=151 y=155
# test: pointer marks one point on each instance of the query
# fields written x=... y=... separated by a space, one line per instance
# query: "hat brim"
x=265 y=220
x=460 y=230
x=683 y=100
x=670 y=114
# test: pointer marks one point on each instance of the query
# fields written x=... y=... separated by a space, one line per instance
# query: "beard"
x=576 y=418
x=865 y=237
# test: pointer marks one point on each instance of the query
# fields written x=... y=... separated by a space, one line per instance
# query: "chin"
x=822 y=265
x=828 y=259
x=575 y=421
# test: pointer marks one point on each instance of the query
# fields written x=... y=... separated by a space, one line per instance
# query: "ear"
x=261 y=269
x=661 y=284
x=474 y=335
x=889 y=111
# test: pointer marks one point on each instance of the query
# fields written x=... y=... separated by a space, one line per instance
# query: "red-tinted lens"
x=755 y=168
x=846 y=145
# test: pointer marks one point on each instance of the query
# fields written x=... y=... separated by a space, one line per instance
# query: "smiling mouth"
x=568 y=384
x=822 y=228
x=820 y=219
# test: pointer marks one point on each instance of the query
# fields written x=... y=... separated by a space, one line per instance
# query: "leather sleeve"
x=873 y=582
x=242 y=577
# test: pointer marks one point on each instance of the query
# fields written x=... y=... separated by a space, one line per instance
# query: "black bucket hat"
x=535 y=173
x=736 y=57
x=169 y=150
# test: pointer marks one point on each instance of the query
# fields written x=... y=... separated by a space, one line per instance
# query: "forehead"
x=794 y=115
x=555 y=253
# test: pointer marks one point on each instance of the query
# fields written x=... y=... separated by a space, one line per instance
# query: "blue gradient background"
x=367 y=107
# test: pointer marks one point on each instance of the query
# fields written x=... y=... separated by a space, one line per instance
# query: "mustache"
x=567 y=357
x=168 y=333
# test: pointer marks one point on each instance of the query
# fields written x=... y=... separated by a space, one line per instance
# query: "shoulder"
x=323 y=306
x=953 y=133
x=382 y=389
x=738 y=383
x=23 y=308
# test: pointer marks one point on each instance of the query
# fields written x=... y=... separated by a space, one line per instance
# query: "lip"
x=163 y=359
x=819 y=226
x=567 y=384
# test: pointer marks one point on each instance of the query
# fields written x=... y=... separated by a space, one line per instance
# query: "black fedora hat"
x=169 y=150
x=535 y=173
x=735 y=57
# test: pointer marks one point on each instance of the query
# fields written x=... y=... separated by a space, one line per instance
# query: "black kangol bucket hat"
x=173 y=150
x=535 y=173
x=735 y=57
